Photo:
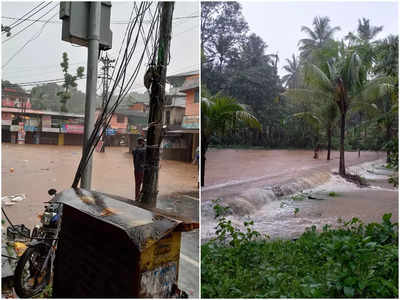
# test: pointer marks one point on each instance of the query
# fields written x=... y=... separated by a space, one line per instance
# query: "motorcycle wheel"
x=28 y=281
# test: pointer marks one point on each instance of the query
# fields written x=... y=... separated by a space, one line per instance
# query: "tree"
x=386 y=58
x=69 y=82
x=345 y=81
x=322 y=114
x=223 y=30
x=321 y=33
x=293 y=68
x=365 y=32
x=218 y=114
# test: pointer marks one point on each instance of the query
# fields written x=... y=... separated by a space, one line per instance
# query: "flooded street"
x=37 y=168
x=285 y=191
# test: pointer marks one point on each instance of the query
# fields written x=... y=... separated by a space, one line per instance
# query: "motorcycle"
x=34 y=268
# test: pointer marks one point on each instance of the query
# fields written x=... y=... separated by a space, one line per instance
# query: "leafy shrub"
x=352 y=261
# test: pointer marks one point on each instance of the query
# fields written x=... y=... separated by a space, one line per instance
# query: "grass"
x=333 y=194
x=353 y=261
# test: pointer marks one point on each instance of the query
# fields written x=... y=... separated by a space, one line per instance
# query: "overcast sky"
x=40 y=59
x=279 y=23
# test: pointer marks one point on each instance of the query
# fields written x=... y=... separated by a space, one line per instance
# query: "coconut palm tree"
x=293 y=68
x=321 y=33
x=365 y=32
x=218 y=114
x=343 y=81
x=322 y=115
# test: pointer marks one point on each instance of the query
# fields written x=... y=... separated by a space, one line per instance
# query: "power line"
x=104 y=118
x=122 y=22
x=31 y=83
x=47 y=67
x=30 y=40
x=26 y=27
x=18 y=19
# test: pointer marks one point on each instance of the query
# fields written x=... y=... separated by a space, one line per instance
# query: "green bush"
x=353 y=261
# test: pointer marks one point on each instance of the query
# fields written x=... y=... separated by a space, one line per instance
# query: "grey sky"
x=40 y=59
x=279 y=23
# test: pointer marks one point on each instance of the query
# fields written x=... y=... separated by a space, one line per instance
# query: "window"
x=196 y=96
x=120 y=119
x=55 y=122
x=167 y=117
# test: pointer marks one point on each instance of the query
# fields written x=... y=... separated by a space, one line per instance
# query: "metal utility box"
x=111 y=249
x=75 y=16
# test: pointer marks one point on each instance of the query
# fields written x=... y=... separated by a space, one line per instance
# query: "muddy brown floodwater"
x=37 y=168
x=260 y=185
x=228 y=170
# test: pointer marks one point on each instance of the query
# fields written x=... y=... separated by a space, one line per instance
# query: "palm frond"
x=248 y=119
x=316 y=78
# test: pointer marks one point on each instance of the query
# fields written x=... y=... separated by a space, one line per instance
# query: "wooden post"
x=157 y=98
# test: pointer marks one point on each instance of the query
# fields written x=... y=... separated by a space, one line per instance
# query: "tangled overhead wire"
x=134 y=30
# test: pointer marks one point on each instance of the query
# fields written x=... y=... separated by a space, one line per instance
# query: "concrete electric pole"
x=157 y=98
x=91 y=84
x=87 y=24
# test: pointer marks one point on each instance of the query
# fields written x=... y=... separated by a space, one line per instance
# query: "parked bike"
x=34 y=268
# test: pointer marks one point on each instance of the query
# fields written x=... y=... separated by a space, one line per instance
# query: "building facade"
x=55 y=128
x=181 y=116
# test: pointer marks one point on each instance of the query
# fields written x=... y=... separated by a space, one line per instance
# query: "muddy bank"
x=284 y=211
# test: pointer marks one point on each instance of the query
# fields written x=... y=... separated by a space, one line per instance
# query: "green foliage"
x=296 y=211
x=226 y=233
x=333 y=194
x=352 y=261
x=356 y=76
x=393 y=160
x=318 y=36
x=46 y=293
x=69 y=82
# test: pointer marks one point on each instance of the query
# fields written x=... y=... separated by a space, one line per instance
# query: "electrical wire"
x=59 y=80
x=27 y=19
x=13 y=24
x=104 y=118
x=112 y=22
x=26 y=27
x=30 y=40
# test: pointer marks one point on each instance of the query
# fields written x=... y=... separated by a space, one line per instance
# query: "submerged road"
x=246 y=181
x=229 y=171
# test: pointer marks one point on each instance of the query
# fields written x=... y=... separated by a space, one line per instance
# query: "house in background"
x=117 y=129
x=13 y=98
x=181 y=116
x=31 y=126
x=139 y=106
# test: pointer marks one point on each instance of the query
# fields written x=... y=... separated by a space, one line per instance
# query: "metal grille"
x=94 y=259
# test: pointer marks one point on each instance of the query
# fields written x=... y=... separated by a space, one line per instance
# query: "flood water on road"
x=37 y=168
x=259 y=185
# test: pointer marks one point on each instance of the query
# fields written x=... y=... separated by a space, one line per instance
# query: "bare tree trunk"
x=329 y=133
x=342 y=168
x=388 y=136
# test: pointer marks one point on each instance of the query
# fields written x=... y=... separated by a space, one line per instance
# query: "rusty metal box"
x=111 y=249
